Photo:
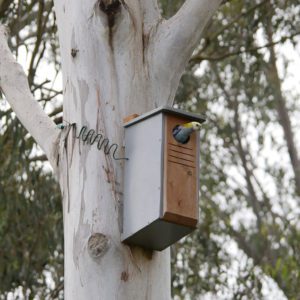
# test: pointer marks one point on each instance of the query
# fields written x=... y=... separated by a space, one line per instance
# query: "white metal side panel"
x=143 y=174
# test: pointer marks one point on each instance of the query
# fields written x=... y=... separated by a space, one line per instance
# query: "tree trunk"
x=107 y=76
x=118 y=58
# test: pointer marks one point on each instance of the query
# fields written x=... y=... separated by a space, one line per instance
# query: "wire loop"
x=103 y=143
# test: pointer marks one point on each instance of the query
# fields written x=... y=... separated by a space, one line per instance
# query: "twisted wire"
x=103 y=143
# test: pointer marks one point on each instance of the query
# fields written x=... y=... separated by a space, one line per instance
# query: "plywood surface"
x=181 y=170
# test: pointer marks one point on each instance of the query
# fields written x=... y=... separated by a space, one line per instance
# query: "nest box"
x=161 y=179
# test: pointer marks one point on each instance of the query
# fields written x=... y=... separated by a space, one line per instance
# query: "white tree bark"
x=119 y=57
x=176 y=40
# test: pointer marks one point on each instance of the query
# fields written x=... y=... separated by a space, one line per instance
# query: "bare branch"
x=19 y=23
x=39 y=35
x=229 y=25
x=199 y=58
x=38 y=158
x=14 y=84
x=39 y=86
x=185 y=28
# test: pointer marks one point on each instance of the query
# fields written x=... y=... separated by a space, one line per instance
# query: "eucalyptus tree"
x=118 y=58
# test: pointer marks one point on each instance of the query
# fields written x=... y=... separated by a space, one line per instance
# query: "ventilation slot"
x=181 y=155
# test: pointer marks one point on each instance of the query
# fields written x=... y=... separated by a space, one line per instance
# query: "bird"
x=181 y=133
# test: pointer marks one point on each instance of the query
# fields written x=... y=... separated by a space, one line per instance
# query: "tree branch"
x=177 y=38
x=14 y=84
x=38 y=158
x=187 y=24
x=227 y=26
x=183 y=31
x=39 y=35
x=199 y=58
x=26 y=19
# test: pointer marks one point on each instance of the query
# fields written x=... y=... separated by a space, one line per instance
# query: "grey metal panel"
x=142 y=182
x=162 y=169
x=170 y=110
x=158 y=235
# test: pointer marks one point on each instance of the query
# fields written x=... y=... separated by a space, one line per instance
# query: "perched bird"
x=181 y=133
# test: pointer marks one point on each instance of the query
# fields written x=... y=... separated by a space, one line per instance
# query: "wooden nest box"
x=161 y=180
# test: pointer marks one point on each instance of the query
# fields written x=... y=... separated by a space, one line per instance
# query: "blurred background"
x=245 y=77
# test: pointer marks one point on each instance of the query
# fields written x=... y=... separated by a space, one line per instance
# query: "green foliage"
x=30 y=215
x=252 y=198
x=30 y=203
x=169 y=7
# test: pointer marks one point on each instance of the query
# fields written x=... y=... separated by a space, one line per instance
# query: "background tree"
x=249 y=170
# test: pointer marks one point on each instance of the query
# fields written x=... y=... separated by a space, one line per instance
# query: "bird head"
x=194 y=125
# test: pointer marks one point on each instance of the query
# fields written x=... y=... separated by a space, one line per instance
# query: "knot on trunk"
x=110 y=7
x=124 y=276
x=98 y=245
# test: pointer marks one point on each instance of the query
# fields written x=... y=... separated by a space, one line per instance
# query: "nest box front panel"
x=180 y=203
